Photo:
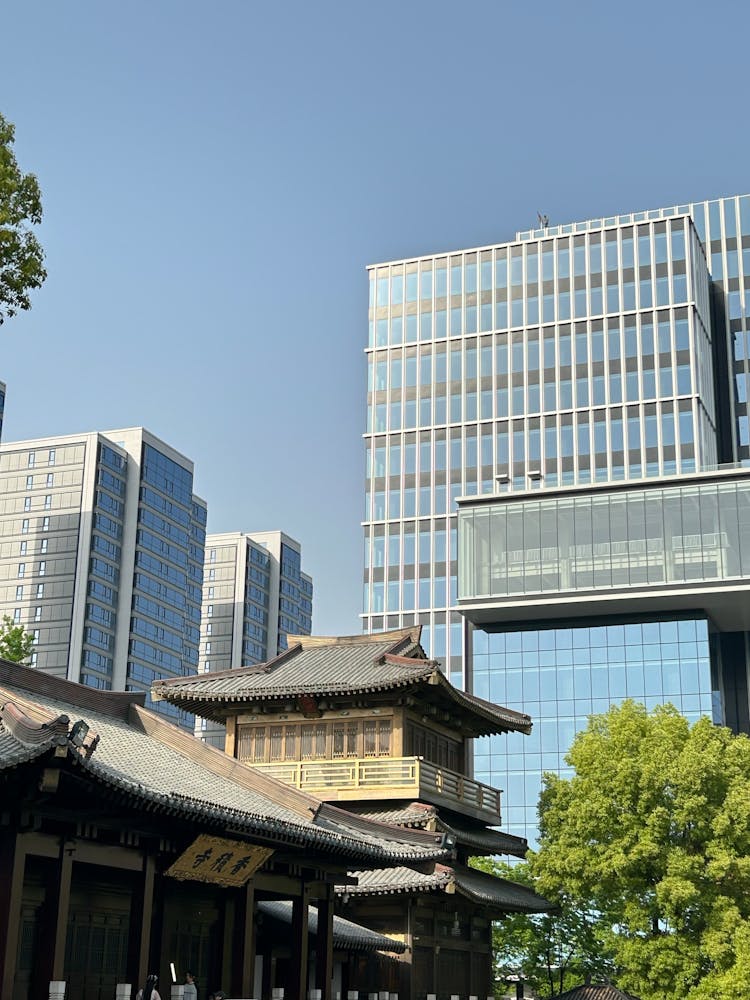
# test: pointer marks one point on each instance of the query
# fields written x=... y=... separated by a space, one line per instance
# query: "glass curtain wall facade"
x=168 y=578
x=562 y=675
x=610 y=350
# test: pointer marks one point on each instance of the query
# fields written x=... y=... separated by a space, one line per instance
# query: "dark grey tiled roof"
x=598 y=991
x=498 y=894
x=386 y=881
x=148 y=759
x=346 y=934
x=13 y=752
x=325 y=667
x=480 y=838
x=484 y=841
x=414 y=814
x=309 y=667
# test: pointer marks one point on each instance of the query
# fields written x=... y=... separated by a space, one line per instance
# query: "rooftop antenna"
x=543 y=220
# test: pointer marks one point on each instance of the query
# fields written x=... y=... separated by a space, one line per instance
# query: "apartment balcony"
x=384 y=778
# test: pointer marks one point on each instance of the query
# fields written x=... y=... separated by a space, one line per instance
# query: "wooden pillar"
x=141 y=912
x=324 y=946
x=296 y=988
x=64 y=877
x=408 y=963
x=243 y=966
x=12 y=864
x=346 y=978
x=267 y=972
x=228 y=921
x=230 y=736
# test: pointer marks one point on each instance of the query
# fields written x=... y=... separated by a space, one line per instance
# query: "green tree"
x=551 y=951
x=21 y=256
x=15 y=642
x=653 y=834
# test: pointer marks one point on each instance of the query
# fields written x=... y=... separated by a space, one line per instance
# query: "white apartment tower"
x=254 y=596
x=101 y=556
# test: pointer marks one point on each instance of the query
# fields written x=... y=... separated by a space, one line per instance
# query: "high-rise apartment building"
x=577 y=387
x=2 y=406
x=101 y=556
x=254 y=596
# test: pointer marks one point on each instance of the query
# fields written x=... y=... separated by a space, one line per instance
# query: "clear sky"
x=216 y=176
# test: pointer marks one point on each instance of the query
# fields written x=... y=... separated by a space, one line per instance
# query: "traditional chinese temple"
x=126 y=846
x=371 y=724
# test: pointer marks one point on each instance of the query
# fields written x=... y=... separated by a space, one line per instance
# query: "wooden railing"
x=385 y=778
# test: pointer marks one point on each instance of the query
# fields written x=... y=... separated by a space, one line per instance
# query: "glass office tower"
x=612 y=351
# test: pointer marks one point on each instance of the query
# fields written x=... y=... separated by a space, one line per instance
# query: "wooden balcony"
x=384 y=778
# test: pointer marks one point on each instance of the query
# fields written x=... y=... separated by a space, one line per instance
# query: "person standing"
x=149 y=991
x=191 y=990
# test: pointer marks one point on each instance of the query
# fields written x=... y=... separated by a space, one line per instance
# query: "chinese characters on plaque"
x=223 y=862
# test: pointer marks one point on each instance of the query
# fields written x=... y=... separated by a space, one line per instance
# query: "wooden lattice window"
x=251 y=743
x=277 y=742
x=384 y=738
x=377 y=738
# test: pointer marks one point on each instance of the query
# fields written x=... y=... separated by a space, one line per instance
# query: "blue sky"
x=216 y=176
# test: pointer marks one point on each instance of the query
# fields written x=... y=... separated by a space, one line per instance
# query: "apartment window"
x=19 y=593
x=38 y=613
x=43 y=545
x=22 y=569
x=212 y=574
x=48 y=502
x=208 y=647
x=42 y=567
x=50 y=479
x=16 y=616
x=34 y=658
x=40 y=590
x=51 y=459
x=27 y=503
x=22 y=551
x=212 y=555
x=209 y=629
x=25 y=526
x=32 y=459
x=209 y=611
x=29 y=482
x=35 y=634
x=210 y=592
x=45 y=524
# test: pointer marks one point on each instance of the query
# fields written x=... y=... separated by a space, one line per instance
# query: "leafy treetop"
x=551 y=952
x=21 y=256
x=15 y=642
x=652 y=833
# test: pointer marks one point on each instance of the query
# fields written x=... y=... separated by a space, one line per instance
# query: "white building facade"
x=254 y=596
x=101 y=556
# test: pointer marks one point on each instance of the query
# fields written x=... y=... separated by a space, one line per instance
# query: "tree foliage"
x=21 y=256
x=552 y=952
x=15 y=642
x=653 y=833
